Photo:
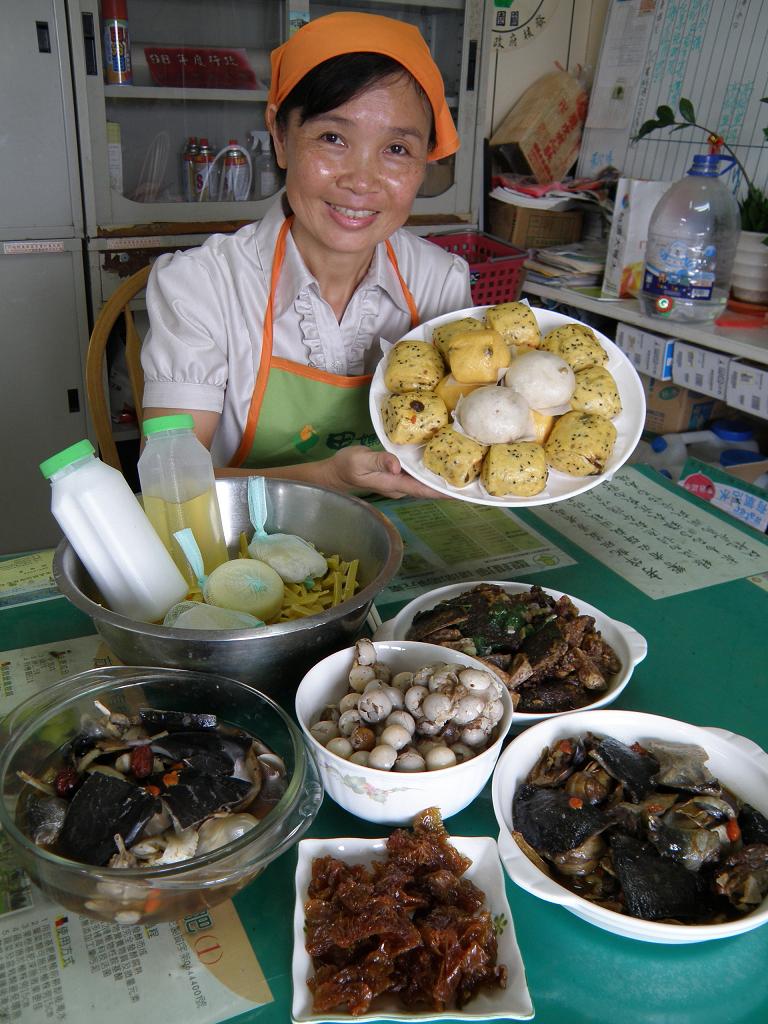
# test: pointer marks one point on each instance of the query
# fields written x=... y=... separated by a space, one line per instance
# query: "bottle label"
x=117 y=53
x=677 y=268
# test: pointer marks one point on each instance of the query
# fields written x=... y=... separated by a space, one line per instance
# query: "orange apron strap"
x=266 y=350
x=415 y=318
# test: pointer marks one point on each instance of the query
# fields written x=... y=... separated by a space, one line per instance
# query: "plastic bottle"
x=178 y=490
x=691 y=245
x=266 y=174
x=669 y=451
x=103 y=521
x=723 y=435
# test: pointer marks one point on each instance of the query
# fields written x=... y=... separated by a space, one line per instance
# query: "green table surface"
x=707 y=664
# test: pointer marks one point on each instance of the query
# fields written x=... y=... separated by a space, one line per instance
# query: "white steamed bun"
x=493 y=415
x=542 y=378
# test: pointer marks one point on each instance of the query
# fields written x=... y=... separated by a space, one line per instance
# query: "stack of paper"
x=576 y=265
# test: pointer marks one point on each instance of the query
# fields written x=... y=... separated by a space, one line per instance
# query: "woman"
x=269 y=336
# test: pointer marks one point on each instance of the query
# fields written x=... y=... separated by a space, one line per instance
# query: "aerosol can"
x=188 y=169
x=236 y=181
x=206 y=173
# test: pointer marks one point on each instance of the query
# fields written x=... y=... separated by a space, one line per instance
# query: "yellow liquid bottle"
x=201 y=516
x=178 y=490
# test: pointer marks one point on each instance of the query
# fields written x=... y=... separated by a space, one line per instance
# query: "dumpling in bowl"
x=494 y=415
x=413 y=418
x=580 y=444
x=596 y=392
x=577 y=344
x=516 y=323
x=519 y=469
x=413 y=366
x=455 y=458
x=442 y=335
x=542 y=378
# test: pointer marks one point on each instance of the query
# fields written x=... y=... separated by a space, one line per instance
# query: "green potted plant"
x=749 y=282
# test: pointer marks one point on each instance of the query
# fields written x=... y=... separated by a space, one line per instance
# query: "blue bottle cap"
x=738 y=456
x=659 y=444
x=705 y=164
x=733 y=430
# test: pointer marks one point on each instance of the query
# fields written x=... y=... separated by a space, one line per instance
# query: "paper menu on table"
x=27 y=578
x=27 y=670
x=57 y=966
x=659 y=541
x=451 y=541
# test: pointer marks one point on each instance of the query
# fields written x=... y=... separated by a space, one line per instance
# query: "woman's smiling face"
x=352 y=173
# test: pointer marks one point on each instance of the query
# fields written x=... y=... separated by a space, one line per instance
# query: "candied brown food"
x=411 y=926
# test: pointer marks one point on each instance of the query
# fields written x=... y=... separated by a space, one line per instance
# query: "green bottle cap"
x=181 y=421
x=66 y=458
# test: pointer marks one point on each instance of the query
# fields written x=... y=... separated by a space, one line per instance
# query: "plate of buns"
x=507 y=405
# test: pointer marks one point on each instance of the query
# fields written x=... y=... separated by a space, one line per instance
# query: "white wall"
x=569 y=35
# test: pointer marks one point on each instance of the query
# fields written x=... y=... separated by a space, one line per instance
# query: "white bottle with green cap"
x=178 y=490
x=103 y=521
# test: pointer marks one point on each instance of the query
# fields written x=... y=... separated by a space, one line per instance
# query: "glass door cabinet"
x=200 y=68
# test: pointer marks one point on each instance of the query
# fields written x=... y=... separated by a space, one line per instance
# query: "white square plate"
x=511 y=1003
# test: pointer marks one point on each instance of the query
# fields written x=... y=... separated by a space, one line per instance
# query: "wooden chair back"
x=118 y=305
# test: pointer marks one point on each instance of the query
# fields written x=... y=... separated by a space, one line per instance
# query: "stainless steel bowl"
x=273 y=658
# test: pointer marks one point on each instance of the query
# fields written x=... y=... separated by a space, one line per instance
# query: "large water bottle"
x=105 y=524
x=691 y=245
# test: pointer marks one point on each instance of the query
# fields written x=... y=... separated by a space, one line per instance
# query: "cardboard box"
x=670 y=408
x=533 y=229
x=700 y=369
x=749 y=471
x=747 y=388
x=625 y=258
x=541 y=134
x=651 y=354
x=743 y=501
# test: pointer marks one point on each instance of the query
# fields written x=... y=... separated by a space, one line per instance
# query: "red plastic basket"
x=496 y=271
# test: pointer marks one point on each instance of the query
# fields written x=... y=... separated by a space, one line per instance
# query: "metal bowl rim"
x=104 y=615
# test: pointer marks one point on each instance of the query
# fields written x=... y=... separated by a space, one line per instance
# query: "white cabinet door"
x=42 y=399
x=39 y=176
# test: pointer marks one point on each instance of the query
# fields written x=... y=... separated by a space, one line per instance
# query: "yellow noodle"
x=350 y=580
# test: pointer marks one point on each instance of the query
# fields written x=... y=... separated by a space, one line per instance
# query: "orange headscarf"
x=335 y=34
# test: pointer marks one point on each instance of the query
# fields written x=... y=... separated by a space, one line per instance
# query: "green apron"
x=305 y=414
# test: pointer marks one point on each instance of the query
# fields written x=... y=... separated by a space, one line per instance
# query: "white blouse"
x=206 y=314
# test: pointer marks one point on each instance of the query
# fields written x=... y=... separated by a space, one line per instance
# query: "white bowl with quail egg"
x=397 y=726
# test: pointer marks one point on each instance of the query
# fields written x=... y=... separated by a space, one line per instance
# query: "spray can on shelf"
x=236 y=182
x=117 y=43
x=206 y=172
x=188 y=169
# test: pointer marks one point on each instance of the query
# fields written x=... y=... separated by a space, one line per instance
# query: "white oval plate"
x=629 y=423
x=630 y=646
x=739 y=763
x=511 y=1003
